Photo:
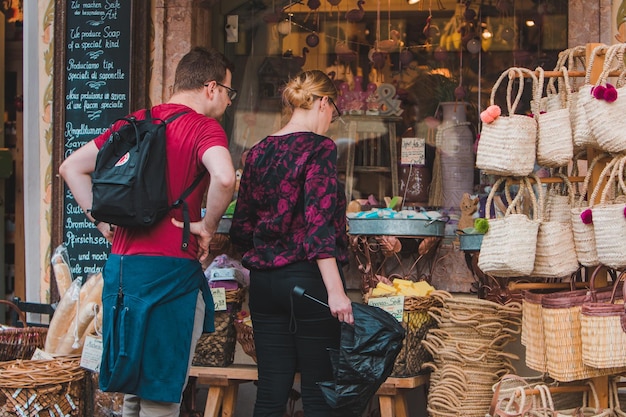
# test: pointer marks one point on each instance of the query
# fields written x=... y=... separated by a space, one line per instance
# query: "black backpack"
x=129 y=183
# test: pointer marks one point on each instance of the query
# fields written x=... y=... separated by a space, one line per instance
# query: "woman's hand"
x=341 y=307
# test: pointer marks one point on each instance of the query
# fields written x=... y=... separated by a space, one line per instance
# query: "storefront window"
x=430 y=52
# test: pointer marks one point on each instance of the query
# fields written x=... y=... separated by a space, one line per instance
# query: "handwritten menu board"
x=97 y=89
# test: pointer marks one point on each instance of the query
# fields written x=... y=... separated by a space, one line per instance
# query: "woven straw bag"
x=507 y=145
x=603 y=329
x=581 y=130
x=584 y=237
x=561 y=314
x=533 y=333
x=559 y=200
x=555 y=146
x=552 y=99
x=555 y=256
x=606 y=117
x=609 y=218
x=574 y=60
x=508 y=247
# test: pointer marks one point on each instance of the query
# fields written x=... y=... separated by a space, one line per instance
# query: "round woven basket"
x=20 y=342
x=45 y=387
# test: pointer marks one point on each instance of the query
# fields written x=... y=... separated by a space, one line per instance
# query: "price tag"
x=92 y=353
x=393 y=305
x=413 y=151
x=219 y=298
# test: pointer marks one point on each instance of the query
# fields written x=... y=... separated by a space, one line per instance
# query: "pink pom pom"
x=610 y=95
x=490 y=114
x=586 y=216
x=624 y=211
x=486 y=117
x=598 y=92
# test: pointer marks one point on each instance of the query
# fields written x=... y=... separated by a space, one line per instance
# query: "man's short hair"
x=199 y=66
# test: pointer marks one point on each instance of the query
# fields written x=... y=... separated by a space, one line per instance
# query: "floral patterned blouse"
x=290 y=205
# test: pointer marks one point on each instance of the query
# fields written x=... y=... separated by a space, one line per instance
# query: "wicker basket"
x=416 y=322
x=30 y=388
x=20 y=342
x=218 y=348
x=245 y=337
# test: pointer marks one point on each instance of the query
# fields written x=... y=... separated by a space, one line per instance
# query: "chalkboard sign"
x=93 y=73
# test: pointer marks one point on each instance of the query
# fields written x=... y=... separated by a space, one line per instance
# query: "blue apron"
x=149 y=305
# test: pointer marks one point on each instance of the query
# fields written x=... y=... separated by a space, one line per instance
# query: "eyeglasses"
x=337 y=114
x=231 y=92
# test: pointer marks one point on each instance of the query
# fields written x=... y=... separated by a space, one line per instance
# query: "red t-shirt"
x=188 y=137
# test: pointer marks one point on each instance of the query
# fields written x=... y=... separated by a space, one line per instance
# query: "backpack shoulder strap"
x=181 y=202
x=176 y=116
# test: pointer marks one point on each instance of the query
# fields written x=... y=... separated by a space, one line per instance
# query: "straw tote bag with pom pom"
x=507 y=143
x=607 y=107
x=584 y=237
x=508 y=247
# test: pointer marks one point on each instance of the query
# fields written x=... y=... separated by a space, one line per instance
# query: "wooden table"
x=224 y=385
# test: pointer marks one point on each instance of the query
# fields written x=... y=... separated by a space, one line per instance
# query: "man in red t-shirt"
x=155 y=292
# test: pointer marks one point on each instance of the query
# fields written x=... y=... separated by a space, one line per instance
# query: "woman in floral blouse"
x=289 y=225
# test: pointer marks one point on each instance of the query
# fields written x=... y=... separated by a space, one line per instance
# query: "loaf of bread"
x=62 y=274
x=70 y=344
x=63 y=316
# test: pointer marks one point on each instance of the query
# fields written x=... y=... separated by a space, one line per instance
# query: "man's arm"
x=76 y=171
x=218 y=162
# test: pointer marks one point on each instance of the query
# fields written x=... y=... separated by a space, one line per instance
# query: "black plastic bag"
x=365 y=358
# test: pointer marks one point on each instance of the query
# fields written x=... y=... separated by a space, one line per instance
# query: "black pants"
x=288 y=341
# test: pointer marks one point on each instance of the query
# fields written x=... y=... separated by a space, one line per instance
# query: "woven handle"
x=618 y=168
x=537 y=92
x=620 y=175
x=574 y=55
x=512 y=73
x=494 y=189
x=605 y=172
x=613 y=61
x=560 y=63
x=598 y=50
x=566 y=187
x=17 y=309
x=537 y=206
x=587 y=180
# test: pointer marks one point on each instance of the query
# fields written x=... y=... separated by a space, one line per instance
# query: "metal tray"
x=397 y=227
x=470 y=242
x=224 y=225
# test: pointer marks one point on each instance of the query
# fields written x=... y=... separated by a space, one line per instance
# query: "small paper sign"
x=413 y=151
x=92 y=353
x=39 y=354
x=219 y=298
x=393 y=305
